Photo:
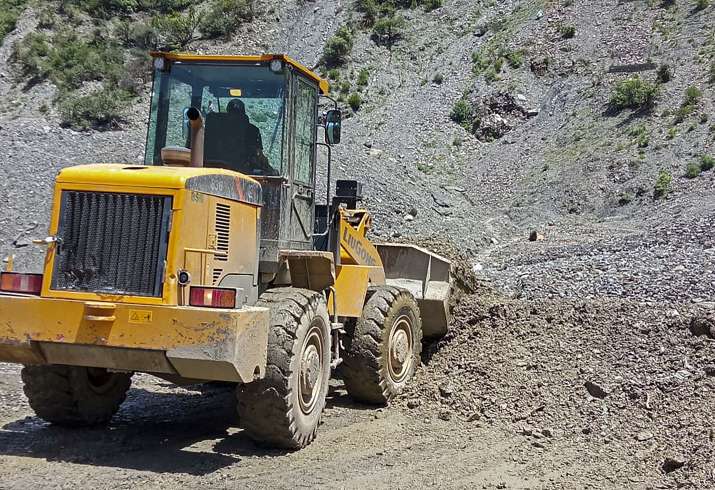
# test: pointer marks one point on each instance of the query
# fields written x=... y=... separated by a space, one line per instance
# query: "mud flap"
x=427 y=276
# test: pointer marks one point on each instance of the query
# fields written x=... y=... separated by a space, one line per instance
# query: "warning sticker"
x=139 y=316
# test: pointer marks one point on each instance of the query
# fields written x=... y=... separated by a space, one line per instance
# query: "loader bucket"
x=427 y=276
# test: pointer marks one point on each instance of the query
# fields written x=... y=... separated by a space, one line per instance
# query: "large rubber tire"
x=383 y=346
x=284 y=408
x=74 y=396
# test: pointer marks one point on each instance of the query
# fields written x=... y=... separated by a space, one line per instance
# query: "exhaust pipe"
x=197 y=137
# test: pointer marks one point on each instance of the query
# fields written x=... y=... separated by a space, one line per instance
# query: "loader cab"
x=260 y=119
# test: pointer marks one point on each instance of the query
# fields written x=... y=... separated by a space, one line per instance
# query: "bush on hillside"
x=176 y=30
x=388 y=29
x=462 y=113
x=692 y=170
x=706 y=163
x=633 y=93
x=338 y=47
x=30 y=53
x=9 y=13
x=99 y=110
x=355 y=101
x=224 y=17
x=662 y=184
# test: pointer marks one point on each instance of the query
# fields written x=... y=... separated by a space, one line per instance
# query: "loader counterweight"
x=194 y=343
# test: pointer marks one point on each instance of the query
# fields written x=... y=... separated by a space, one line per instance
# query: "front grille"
x=112 y=243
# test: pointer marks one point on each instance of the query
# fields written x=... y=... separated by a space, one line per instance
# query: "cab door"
x=305 y=113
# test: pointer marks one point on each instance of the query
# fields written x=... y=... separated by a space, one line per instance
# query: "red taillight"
x=15 y=282
x=212 y=297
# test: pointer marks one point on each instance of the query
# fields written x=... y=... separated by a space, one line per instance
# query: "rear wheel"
x=284 y=408
x=74 y=396
x=383 y=346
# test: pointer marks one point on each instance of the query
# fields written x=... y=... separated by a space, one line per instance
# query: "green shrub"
x=109 y=8
x=663 y=184
x=46 y=18
x=462 y=113
x=72 y=61
x=388 y=29
x=702 y=4
x=711 y=73
x=334 y=74
x=178 y=30
x=338 y=47
x=363 y=77
x=224 y=17
x=692 y=170
x=345 y=87
x=438 y=78
x=567 y=31
x=431 y=5
x=355 y=101
x=100 y=110
x=691 y=99
x=515 y=58
x=30 y=53
x=706 y=163
x=10 y=11
x=640 y=135
x=633 y=93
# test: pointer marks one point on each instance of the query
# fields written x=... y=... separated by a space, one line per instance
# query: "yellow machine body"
x=214 y=219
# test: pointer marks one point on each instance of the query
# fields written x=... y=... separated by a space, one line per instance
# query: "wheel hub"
x=311 y=370
x=400 y=349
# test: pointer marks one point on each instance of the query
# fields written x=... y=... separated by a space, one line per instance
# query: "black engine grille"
x=112 y=243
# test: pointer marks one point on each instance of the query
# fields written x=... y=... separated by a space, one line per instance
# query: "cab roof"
x=323 y=84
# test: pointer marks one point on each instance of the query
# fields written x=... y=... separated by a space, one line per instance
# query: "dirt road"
x=166 y=437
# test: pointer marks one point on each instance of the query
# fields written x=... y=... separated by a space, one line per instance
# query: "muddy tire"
x=74 y=396
x=382 y=348
x=284 y=408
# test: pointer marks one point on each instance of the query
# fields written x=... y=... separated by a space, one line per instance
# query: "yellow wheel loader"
x=213 y=261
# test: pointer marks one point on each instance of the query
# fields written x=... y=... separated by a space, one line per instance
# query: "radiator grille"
x=112 y=243
x=223 y=225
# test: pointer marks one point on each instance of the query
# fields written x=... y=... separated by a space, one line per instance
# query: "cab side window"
x=305 y=114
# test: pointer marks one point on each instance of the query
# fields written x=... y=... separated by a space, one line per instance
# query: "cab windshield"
x=243 y=107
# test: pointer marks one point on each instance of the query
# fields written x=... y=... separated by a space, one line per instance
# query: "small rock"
x=445 y=415
x=413 y=403
x=474 y=417
x=535 y=236
x=547 y=432
x=409 y=217
x=446 y=389
x=700 y=325
x=596 y=390
x=710 y=370
x=644 y=436
x=671 y=464
x=413 y=211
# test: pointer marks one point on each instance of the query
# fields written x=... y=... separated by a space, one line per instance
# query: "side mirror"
x=333 y=120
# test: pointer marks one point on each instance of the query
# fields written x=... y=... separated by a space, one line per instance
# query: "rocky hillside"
x=476 y=120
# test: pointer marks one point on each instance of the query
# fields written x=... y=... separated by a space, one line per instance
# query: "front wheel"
x=383 y=346
x=283 y=409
